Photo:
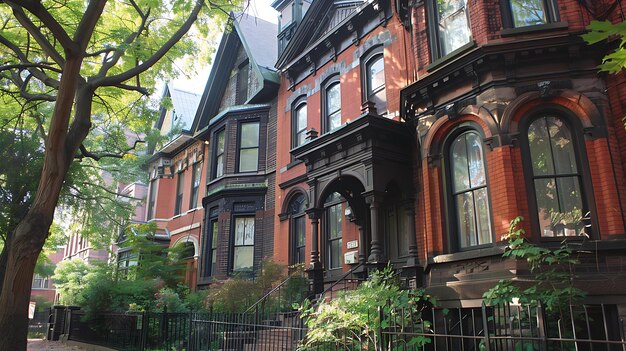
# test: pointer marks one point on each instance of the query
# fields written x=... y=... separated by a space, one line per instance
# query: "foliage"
x=614 y=61
x=353 y=318
x=238 y=293
x=168 y=300
x=553 y=269
x=70 y=278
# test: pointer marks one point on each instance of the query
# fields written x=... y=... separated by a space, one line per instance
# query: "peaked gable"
x=245 y=37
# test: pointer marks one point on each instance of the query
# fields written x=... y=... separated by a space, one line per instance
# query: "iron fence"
x=489 y=328
x=132 y=331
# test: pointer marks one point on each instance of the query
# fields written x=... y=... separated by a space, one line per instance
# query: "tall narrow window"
x=297 y=229
x=334 y=233
x=450 y=29
x=243 y=252
x=469 y=191
x=249 y=147
x=375 y=75
x=219 y=154
x=332 y=107
x=179 y=193
x=195 y=184
x=151 y=199
x=242 y=83
x=299 y=121
x=556 y=178
x=211 y=248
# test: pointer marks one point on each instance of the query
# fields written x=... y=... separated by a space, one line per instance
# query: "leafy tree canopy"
x=614 y=61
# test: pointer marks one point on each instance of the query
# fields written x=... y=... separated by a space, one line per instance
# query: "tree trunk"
x=32 y=231
x=15 y=297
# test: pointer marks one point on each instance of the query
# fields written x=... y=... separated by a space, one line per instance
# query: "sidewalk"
x=45 y=345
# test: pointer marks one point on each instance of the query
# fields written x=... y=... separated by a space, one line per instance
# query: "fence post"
x=486 y=328
x=190 y=347
x=541 y=324
x=379 y=344
x=144 y=330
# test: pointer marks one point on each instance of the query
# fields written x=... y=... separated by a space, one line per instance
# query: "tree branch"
x=53 y=83
x=97 y=156
x=108 y=64
x=141 y=90
x=184 y=28
x=33 y=30
x=88 y=23
x=38 y=10
x=27 y=65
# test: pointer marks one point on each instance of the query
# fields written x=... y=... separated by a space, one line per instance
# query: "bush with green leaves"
x=553 y=270
x=353 y=319
x=238 y=293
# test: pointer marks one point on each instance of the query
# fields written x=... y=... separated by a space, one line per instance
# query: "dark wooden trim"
x=451 y=238
x=293 y=181
x=587 y=194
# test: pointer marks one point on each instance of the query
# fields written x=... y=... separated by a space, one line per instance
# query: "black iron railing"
x=490 y=328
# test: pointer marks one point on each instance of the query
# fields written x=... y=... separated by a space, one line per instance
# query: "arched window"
x=470 y=198
x=298 y=123
x=556 y=177
x=375 y=82
x=333 y=218
x=332 y=106
x=297 y=229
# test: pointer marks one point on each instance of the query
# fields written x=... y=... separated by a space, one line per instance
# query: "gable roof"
x=184 y=104
x=320 y=19
x=258 y=38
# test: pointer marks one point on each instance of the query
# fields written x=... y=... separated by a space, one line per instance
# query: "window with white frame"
x=243 y=248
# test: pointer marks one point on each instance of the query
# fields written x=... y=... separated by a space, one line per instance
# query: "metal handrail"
x=262 y=299
x=351 y=271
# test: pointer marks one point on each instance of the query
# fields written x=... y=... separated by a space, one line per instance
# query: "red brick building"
x=414 y=132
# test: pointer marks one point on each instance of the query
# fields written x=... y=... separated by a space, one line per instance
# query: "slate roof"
x=258 y=38
x=185 y=105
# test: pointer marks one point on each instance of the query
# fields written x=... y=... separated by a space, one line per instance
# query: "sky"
x=257 y=8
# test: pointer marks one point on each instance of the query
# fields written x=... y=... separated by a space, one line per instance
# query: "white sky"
x=257 y=8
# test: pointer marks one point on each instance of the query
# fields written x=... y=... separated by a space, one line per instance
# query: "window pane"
x=300 y=228
x=539 y=144
x=453 y=25
x=571 y=213
x=460 y=178
x=333 y=98
x=528 y=12
x=214 y=230
x=248 y=160
x=220 y=142
x=376 y=74
x=475 y=158
x=465 y=220
x=244 y=231
x=547 y=205
x=219 y=167
x=562 y=146
x=243 y=258
x=250 y=135
x=482 y=213
x=335 y=254
x=334 y=221
x=301 y=118
x=334 y=121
